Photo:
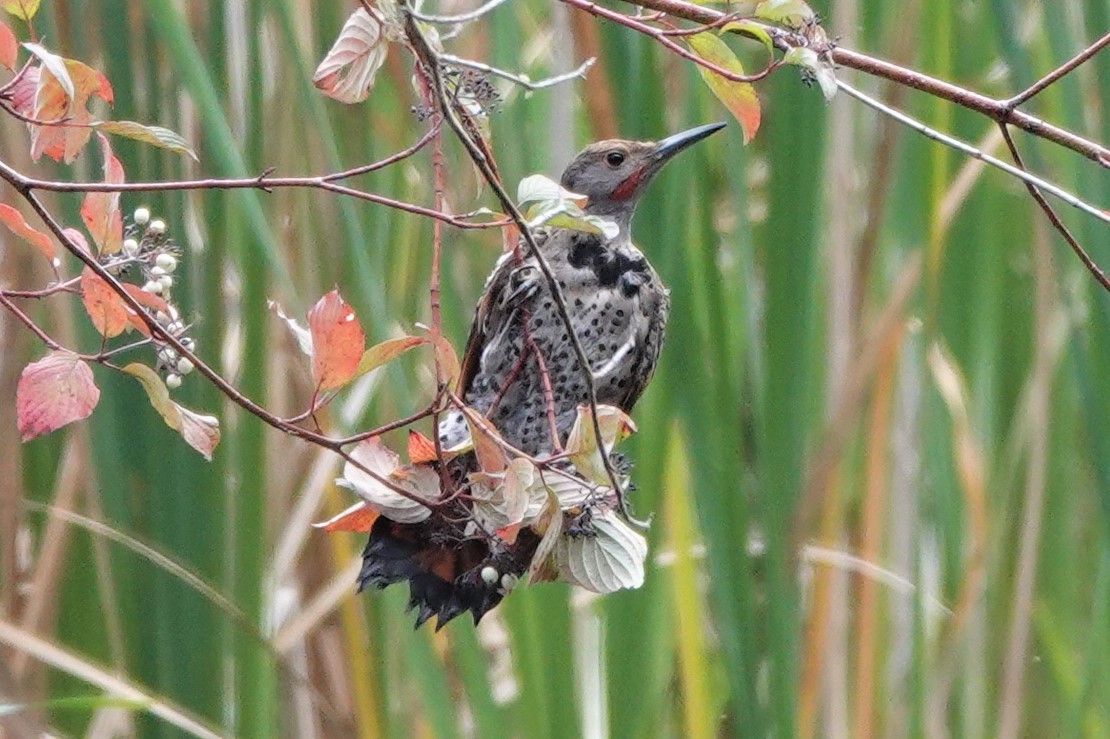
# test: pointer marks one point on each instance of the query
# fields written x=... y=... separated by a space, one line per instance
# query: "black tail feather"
x=403 y=552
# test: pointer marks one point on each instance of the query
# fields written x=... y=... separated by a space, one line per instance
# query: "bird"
x=618 y=308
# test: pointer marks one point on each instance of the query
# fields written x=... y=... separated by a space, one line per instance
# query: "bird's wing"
x=512 y=280
x=652 y=337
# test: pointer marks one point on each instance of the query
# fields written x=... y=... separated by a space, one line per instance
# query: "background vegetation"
x=877 y=449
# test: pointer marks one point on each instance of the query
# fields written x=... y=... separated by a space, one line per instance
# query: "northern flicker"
x=618 y=308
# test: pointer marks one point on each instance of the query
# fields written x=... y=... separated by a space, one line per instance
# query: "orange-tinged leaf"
x=100 y=211
x=107 y=311
x=9 y=47
x=150 y=300
x=24 y=10
x=54 y=102
x=582 y=446
x=56 y=390
x=201 y=432
x=23 y=89
x=487 y=447
x=422 y=450
x=738 y=97
x=337 y=342
x=13 y=219
x=359 y=518
x=386 y=352
x=347 y=72
x=448 y=359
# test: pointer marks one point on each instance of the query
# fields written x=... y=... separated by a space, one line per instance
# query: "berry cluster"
x=147 y=246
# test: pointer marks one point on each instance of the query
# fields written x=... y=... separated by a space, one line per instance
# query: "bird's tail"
x=446 y=576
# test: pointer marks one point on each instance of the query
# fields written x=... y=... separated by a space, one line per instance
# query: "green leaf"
x=791 y=13
x=153 y=135
x=386 y=352
x=738 y=97
x=748 y=27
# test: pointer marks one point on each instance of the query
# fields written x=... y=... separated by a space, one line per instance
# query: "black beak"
x=671 y=145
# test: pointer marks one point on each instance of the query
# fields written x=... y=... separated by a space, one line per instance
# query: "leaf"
x=790 y=13
x=820 y=69
x=201 y=432
x=487 y=442
x=554 y=205
x=300 y=333
x=54 y=64
x=9 y=47
x=23 y=89
x=610 y=560
x=337 y=342
x=550 y=524
x=24 y=10
x=420 y=481
x=543 y=189
x=154 y=135
x=347 y=72
x=582 y=447
x=748 y=27
x=447 y=357
x=54 y=102
x=359 y=518
x=52 y=392
x=150 y=300
x=109 y=314
x=13 y=219
x=386 y=352
x=100 y=211
x=422 y=450
x=503 y=501
x=738 y=97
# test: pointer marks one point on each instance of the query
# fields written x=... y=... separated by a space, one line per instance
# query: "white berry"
x=157 y=271
x=157 y=226
x=167 y=282
x=142 y=215
x=162 y=318
x=490 y=575
x=184 y=366
x=167 y=262
x=130 y=247
x=153 y=287
x=173 y=381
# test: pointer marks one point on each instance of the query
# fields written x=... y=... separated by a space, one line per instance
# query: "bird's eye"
x=615 y=158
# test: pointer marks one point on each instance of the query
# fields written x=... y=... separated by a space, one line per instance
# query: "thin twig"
x=1035 y=89
x=520 y=79
x=29 y=323
x=1080 y=252
x=451 y=20
x=971 y=151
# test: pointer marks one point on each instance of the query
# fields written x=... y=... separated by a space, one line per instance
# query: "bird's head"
x=613 y=174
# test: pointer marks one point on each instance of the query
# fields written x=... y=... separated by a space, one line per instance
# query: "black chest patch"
x=610 y=266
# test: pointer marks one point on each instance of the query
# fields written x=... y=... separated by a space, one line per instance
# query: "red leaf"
x=422 y=450
x=347 y=72
x=108 y=312
x=13 y=219
x=56 y=390
x=52 y=103
x=9 y=47
x=337 y=341
x=100 y=211
x=23 y=90
x=359 y=518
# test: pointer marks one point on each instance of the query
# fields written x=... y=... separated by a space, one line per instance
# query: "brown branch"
x=27 y=321
x=1053 y=217
x=1068 y=66
x=997 y=110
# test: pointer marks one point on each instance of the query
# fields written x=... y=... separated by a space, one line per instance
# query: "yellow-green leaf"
x=738 y=97
x=153 y=135
x=23 y=9
x=200 y=431
x=792 y=13
x=386 y=352
x=748 y=27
